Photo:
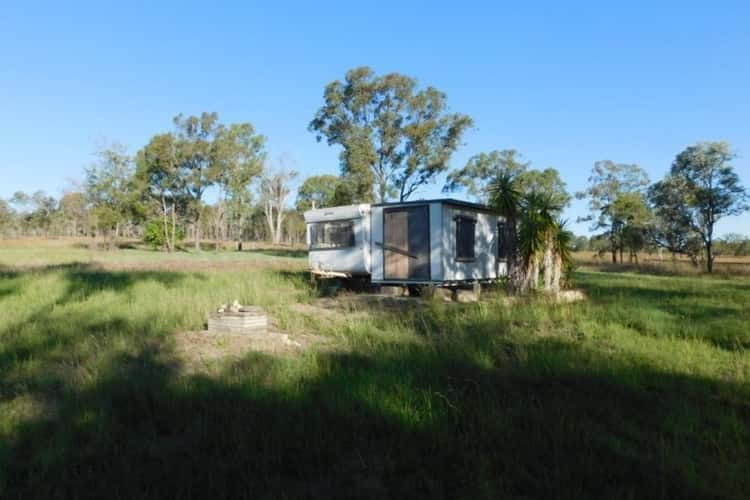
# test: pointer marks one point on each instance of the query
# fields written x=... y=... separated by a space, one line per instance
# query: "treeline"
x=728 y=245
x=677 y=214
x=158 y=193
x=394 y=138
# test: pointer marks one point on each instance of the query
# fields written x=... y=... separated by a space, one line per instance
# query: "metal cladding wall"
x=485 y=264
x=443 y=264
x=367 y=256
x=356 y=259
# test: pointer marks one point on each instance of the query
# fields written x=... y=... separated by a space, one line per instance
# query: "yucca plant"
x=535 y=241
x=562 y=245
x=506 y=198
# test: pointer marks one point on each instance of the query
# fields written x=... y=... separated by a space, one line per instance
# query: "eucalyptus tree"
x=700 y=189
x=317 y=191
x=162 y=182
x=6 y=217
x=110 y=189
x=481 y=170
x=395 y=136
x=195 y=137
x=609 y=181
x=275 y=190
x=240 y=155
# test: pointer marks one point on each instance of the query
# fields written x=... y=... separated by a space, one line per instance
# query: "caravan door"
x=406 y=243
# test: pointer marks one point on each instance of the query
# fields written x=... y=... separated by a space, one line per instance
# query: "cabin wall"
x=356 y=259
x=376 y=239
x=436 y=251
x=485 y=264
x=436 y=241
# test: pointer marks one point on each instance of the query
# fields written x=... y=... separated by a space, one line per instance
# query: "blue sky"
x=565 y=83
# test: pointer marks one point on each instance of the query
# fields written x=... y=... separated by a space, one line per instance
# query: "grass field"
x=642 y=391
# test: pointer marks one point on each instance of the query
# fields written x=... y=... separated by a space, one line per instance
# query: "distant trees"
x=163 y=186
x=617 y=203
x=482 y=171
x=111 y=191
x=208 y=178
x=240 y=154
x=700 y=189
x=318 y=191
x=395 y=136
x=274 y=188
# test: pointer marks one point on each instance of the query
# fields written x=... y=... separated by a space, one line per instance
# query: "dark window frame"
x=461 y=222
x=313 y=226
x=502 y=253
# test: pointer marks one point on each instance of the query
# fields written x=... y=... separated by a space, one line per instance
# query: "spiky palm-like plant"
x=536 y=234
x=562 y=245
x=506 y=198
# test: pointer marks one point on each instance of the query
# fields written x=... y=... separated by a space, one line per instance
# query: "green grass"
x=640 y=392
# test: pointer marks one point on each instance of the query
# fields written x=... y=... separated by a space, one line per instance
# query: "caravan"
x=443 y=242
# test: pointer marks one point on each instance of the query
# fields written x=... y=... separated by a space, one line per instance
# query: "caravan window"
x=336 y=234
x=465 y=227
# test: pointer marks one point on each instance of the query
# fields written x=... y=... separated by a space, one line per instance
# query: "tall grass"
x=641 y=391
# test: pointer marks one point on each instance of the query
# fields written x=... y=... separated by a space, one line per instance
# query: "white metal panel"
x=337 y=213
x=354 y=259
x=376 y=242
x=484 y=265
x=436 y=242
x=348 y=260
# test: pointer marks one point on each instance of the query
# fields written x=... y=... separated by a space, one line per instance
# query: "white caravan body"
x=338 y=239
x=437 y=242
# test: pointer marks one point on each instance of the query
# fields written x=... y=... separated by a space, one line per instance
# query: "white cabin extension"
x=430 y=242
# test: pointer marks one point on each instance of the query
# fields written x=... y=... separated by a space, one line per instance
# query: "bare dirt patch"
x=201 y=350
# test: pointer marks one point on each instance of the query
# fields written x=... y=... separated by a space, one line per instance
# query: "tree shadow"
x=468 y=412
x=294 y=253
x=413 y=422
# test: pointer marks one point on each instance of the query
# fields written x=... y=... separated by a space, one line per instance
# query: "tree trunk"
x=164 y=210
x=547 y=263
x=279 y=220
x=197 y=232
x=173 y=241
x=269 y=220
x=557 y=272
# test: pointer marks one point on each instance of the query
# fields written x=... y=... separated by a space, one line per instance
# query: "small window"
x=502 y=250
x=465 y=227
x=326 y=235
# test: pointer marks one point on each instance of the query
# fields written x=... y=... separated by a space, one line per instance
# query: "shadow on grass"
x=385 y=424
x=471 y=415
x=294 y=253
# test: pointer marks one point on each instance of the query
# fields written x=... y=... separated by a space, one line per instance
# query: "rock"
x=394 y=291
x=462 y=295
x=568 y=296
x=437 y=293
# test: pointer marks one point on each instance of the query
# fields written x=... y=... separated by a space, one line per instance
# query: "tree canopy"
x=318 y=191
x=612 y=188
x=482 y=171
x=395 y=136
x=700 y=189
